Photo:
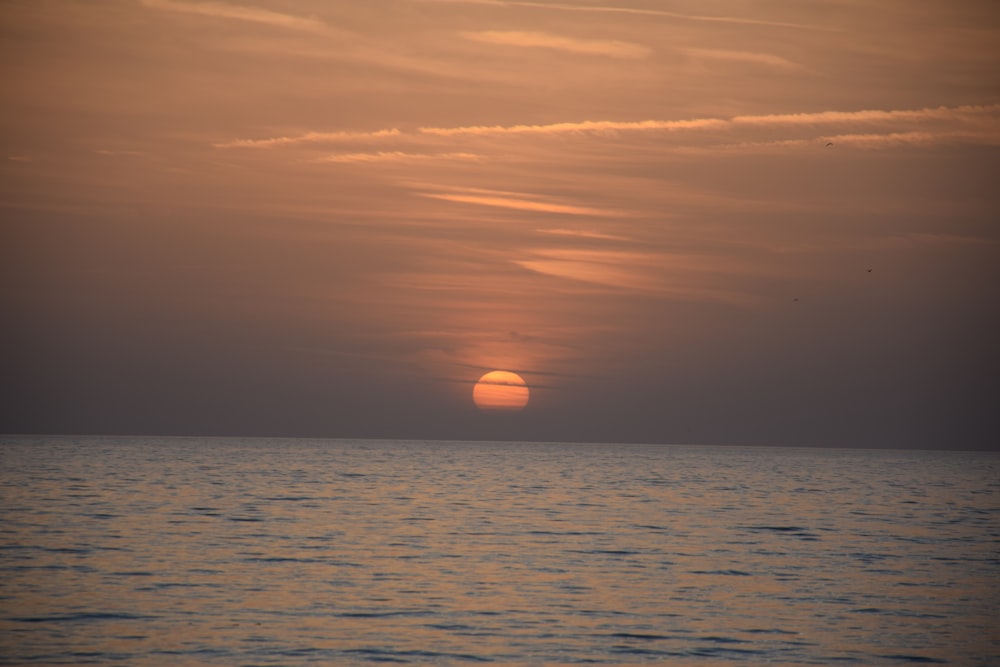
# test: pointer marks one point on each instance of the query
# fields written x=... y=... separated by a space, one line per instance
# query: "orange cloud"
x=688 y=277
x=395 y=156
x=960 y=113
x=599 y=47
x=308 y=137
x=751 y=57
x=582 y=233
x=979 y=123
x=582 y=126
x=240 y=13
x=635 y=11
x=520 y=204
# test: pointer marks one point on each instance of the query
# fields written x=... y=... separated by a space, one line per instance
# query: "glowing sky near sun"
x=329 y=217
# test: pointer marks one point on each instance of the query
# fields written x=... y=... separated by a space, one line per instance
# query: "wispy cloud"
x=522 y=203
x=598 y=47
x=583 y=233
x=857 y=140
x=240 y=13
x=916 y=138
x=592 y=126
x=976 y=123
x=690 y=277
x=308 y=137
x=395 y=156
x=113 y=153
x=962 y=113
x=739 y=20
x=751 y=57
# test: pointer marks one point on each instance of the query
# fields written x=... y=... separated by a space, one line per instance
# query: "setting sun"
x=500 y=390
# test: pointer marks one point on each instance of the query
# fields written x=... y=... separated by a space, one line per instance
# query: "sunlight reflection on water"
x=165 y=551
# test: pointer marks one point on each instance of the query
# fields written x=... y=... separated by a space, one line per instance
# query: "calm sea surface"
x=175 y=551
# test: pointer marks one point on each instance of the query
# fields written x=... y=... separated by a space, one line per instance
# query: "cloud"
x=915 y=138
x=859 y=140
x=959 y=114
x=751 y=57
x=501 y=200
x=738 y=20
x=113 y=153
x=592 y=126
x=690 y=276
x=395 y=156
x=240 y=13
x=583 y=233
x=599 y=47
x=979 y=123
x=308 y=137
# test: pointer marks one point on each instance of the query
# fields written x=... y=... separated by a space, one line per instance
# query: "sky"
x=715 y=221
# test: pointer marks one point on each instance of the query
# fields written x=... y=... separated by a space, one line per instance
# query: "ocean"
x=147 y=551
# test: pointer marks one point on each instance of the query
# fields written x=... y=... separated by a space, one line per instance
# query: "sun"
x=501 y=391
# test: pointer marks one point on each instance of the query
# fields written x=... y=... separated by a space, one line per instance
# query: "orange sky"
x=710 y=221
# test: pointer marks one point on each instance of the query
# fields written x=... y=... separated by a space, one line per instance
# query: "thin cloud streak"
x=240 y=13
x=583 y=234
x=632 y=272
x=395 y=156
x=751 y=57
x=308 y=137
x=591 y=126
x=638 y=12
x=917 y=138
x=984 y=117
x=962 y=113
x=860 y=140
x=599 y=47
x=521 y=204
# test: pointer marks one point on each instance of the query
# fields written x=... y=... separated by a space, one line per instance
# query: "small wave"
x=719 y=651
x=634 y=650
x=383 y=614
x=83 y=616
x=723 y=640
x=388 y=655
x=730 y=573
x=165 y=585
x=918 y=659
x=639 y=635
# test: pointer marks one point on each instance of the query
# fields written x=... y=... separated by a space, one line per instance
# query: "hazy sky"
x=711 y=221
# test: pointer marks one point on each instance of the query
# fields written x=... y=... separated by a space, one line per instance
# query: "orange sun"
x=500 y=390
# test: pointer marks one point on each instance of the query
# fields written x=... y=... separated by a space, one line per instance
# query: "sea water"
x=209 y=551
